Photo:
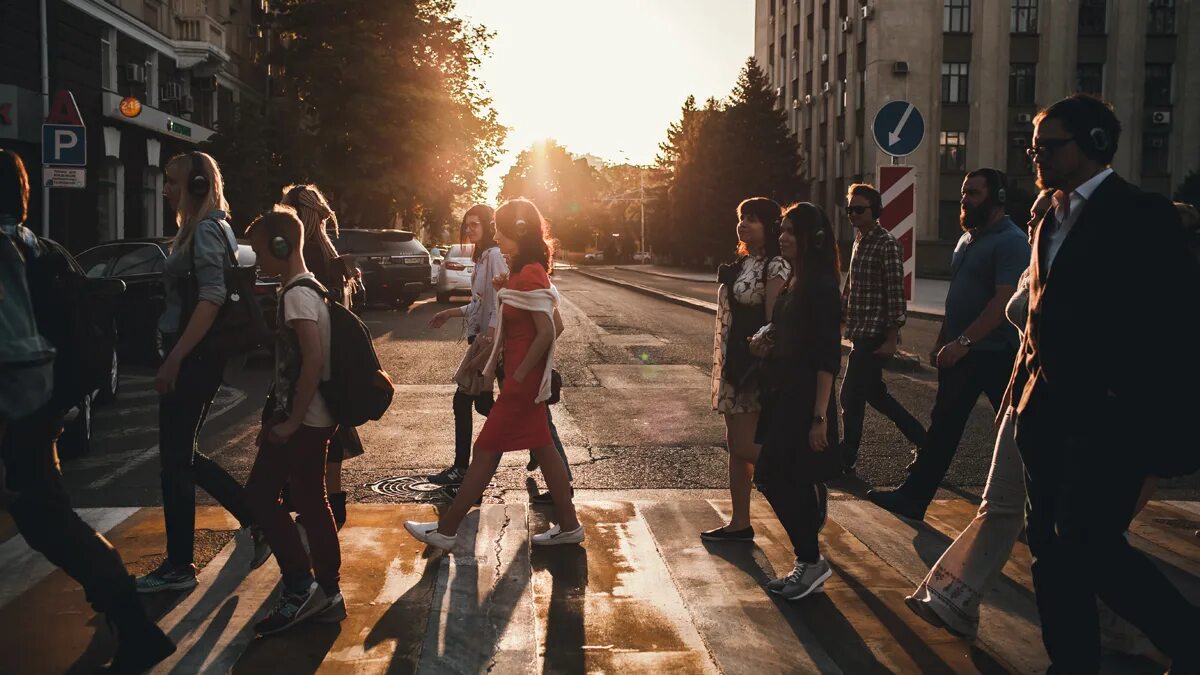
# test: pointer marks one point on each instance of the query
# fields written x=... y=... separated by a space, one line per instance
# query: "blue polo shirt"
x=984 y=259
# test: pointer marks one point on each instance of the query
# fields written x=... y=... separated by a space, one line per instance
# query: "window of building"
x=1024 y=18
x=783 y=47
x=862 y=91
x=808 y=25
x=956 y=16
x=1089 y=78
x=152 y=202
x=952 y=152
x=1021 y=83
x=1018 y=161
x=1161 y=20
x=1155 y=155
x=954 y=82
x=108 y=59
x=111 y=200
x=1158 y=84
x=1093 y=17
x=771 y=55
x=795 y=89
x=796 y=36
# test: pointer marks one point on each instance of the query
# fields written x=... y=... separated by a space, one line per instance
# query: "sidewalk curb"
x=902 y=362
x=678 y=277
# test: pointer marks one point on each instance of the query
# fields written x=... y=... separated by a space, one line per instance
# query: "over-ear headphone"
x=280 y=247
x=997 y=184
x=1099 y=138
x=197 y=184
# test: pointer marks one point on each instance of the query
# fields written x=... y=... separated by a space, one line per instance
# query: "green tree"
x=250 y=165
x=565 y=189
x=393 y=121
x=1189 y=189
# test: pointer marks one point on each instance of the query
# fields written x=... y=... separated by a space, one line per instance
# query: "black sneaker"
x=452 y=476
x=532 y=465
x=898 y=503
x=262 y=548
x=726 y=534
x=291 y=609
x=452 y=492
x=140 y=642
x=168 y=577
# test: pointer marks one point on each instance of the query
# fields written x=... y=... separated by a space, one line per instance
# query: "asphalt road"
x=635 y=415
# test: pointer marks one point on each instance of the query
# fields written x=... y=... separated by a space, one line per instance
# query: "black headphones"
x=997 y=184
x=280 y=247
x=197 y=184
x=1099 y=142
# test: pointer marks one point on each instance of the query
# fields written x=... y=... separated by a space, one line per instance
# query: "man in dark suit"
x=1104 y=386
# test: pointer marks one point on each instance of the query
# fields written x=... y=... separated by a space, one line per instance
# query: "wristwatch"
x=964 y=341
x=819 y=419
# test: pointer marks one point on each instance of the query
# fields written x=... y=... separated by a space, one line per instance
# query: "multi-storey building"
x=978 y=70
x=188 y=64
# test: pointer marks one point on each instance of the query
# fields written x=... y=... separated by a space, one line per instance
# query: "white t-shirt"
x=304 y=304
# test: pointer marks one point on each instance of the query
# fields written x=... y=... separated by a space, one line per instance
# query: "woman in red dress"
x=526 y=334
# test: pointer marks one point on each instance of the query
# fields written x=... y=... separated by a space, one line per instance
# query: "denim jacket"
x=212 y=258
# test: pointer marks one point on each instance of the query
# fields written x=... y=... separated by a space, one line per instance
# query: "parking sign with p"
x=64 y=145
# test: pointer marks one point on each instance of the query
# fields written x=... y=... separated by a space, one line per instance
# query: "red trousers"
x=301 y=462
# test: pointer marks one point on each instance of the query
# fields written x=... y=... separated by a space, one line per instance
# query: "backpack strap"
x=308 y=283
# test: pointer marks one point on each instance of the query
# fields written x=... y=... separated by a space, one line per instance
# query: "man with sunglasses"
x=976 y=343
x=1104 y=388
x=874 y=309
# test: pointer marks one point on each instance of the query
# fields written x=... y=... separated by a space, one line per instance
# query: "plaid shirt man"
x=873 y=297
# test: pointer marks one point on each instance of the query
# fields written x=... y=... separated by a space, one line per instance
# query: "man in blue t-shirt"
x=976 y=346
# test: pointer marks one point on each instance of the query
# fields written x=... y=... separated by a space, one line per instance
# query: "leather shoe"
x=898 y=503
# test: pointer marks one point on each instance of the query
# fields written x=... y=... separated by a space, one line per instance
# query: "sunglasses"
x=857 y=210
x=1046 y=147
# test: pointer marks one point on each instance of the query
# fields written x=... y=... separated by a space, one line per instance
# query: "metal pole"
x=642 y=203
x=45 y=111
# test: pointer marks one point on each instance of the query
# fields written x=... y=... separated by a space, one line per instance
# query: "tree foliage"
x=564 y=187
x=716 y=156
x=382 y=107
x=1189 y=189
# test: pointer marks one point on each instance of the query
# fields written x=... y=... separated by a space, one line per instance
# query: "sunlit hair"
x=519 y=220
x=816 y=245
x=487 y=220
x=191 y=210
x=318 y=218
x=868 y=192
x=14 y=186
x=767 y=212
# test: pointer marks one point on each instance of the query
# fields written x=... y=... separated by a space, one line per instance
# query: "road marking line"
x=24 y=567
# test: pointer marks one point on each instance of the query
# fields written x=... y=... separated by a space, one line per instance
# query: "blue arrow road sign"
x=898 y=128
x=64 y=145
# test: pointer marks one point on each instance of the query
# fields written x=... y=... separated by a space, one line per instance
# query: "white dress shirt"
x=1065 y=216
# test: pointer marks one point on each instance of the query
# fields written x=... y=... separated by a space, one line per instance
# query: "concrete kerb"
x=904 y=362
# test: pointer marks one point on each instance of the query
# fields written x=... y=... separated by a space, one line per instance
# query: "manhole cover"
x=412 y=488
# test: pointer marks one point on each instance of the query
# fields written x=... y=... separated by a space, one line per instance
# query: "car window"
x=461 y=251
x=96 y=262
x=141 y=260
x=399 y=242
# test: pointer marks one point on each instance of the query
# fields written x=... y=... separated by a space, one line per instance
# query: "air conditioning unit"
x=170 y=91
x=825 y=58
x=843 y=145
x=187 y=104
x=1024 y=118
x=796 y=104
x=808 y=99
x=900 y=68
x=135 y=73
x=826 y=88
x=778 y=92
x=847 y=25
x=868 y=12
x=1160 y=117
x=795 y=54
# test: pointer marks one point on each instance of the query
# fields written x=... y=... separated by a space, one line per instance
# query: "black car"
x=394 y=265
x=139 y=263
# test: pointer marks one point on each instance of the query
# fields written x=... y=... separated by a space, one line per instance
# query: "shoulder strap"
x=224 y=239
x=309 y=283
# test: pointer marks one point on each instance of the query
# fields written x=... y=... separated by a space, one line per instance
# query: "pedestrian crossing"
x=643 y=594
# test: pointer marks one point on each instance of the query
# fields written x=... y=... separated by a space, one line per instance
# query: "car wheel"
x=443 y=298
x=112 y=385
x=76 y=439
x=402 y=302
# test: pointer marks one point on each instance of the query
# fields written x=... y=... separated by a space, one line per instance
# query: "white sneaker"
x=555 y=536
x=427 y=532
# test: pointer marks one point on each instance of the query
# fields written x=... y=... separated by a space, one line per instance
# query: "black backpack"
x=358 y=388
x=75 y=318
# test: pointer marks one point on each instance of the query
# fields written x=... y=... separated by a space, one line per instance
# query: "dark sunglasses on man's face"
x=1046 y=147
x=857 y=210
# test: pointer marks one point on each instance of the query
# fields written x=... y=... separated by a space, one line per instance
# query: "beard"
x=971 y=218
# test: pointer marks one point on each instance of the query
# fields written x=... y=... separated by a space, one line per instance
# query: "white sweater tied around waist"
x=544 y=300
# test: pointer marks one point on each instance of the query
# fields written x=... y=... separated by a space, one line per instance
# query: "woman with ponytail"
x=335 y=274
x=526 y=330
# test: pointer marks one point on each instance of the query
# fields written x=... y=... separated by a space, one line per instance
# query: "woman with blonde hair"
x=334 y=272
x=188 y=380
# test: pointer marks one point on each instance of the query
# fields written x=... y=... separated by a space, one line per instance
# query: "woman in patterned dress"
x=745 y=300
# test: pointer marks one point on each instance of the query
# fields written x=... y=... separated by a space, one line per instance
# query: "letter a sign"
x=64 y=138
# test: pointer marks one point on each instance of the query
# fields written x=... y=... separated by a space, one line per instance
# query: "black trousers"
x=801 y=509
x=863 y=384
x=979 y=372
x=43 y=515
x=1082 y=487
x=181 y=415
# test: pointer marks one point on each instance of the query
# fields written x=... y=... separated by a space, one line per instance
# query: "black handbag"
x=240 y=325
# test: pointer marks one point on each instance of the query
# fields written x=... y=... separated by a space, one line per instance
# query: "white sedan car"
x=454 y=275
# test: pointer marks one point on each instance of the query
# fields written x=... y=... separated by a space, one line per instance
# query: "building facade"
x=188 y=64
x=978 y=70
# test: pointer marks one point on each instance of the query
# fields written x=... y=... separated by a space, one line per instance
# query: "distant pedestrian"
x=31 y=485
x=1096 y=410
x=332 y=271
x=525 y=334
x=294 y=440
x=190 y=376
x=479 y=327
x=799 y=429
x=745 y=303
x=873 y=309
x=975 y=346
